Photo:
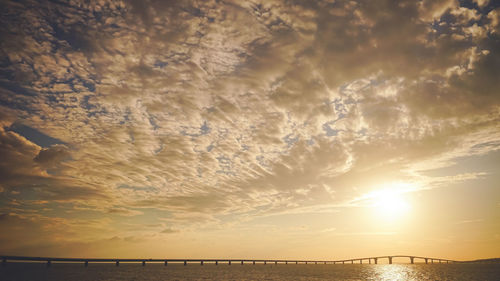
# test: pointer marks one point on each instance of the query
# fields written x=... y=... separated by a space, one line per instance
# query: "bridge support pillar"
x=143 y=263
x=426 y=261
x=86 y=263
x=216 y=262
x=390 y=260
x=275 y=263
x=185 y=263
x=201 y=262
x=229 y=263
x=315 y=262
x=412 y=260
x=265 y=262
x=49 y=263
x=369 y=261
x=360 y=261
x=286 y=262
x=447 y=261
x=166 y=263
x=325 y=262
x=343 y=262
x=117 y=263
x=296 y=262
x=375 y=260
x=352 y=261
x=241 y=262
x=439 y=261
x=253 y=262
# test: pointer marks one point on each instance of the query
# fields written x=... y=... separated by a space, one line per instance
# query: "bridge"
x=86 y=261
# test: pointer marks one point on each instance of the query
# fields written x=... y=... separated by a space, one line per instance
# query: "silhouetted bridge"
x=85 y=261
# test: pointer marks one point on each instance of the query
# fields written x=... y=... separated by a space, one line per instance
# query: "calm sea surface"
x=156 y=272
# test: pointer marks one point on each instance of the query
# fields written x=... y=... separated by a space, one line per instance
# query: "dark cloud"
x=17 y=157
x=53 y=155
x=27 y=168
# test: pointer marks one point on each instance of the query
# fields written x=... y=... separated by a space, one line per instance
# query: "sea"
x=223 y=272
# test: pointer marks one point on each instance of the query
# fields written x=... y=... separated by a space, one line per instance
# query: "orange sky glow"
x=250 y=129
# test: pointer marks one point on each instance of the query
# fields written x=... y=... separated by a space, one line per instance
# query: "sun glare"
x=390 y=201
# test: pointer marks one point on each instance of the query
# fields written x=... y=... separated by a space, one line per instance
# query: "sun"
x=389 y=202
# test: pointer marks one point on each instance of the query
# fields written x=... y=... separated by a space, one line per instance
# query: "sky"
x=321 y=129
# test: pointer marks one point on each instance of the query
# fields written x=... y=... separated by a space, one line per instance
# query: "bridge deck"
x=242 y=261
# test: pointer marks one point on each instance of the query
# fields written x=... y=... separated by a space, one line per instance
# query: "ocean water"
x=281 y=272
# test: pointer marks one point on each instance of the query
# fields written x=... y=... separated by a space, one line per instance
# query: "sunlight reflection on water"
x=394 y=272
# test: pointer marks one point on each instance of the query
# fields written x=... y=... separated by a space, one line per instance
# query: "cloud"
x=52 y=156
x=18 y=154
x=469 y=221
x=431 y=10
x=481 y=3
x=27 y=168
x=169 y=231
x=207 y=110
x=123 y=212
